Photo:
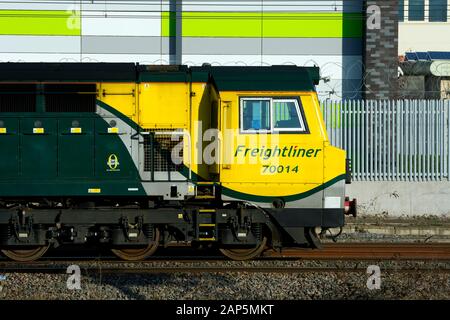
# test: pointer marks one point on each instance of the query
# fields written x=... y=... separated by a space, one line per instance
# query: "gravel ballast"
x=399 y=280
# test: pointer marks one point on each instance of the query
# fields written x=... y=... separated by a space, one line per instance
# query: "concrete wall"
x=423 y=36
x=402 y=198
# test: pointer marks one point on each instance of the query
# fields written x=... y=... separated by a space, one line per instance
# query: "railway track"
x=370 y=251
x=195 y=264
x=210 y=269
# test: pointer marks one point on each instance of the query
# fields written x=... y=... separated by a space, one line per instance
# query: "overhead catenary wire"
x=137 y=10
x=235 y=7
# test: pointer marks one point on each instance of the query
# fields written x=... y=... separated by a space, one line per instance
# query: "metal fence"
x=405 y=140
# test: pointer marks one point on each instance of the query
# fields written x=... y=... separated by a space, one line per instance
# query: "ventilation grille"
x=159 y=147
x=70 y=97
x=17 y=98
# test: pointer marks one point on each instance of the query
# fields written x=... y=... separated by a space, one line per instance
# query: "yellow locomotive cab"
x=274 y=149
x=285 y=158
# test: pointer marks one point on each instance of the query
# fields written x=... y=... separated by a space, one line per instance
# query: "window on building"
x=401 y=10
x=416 y=10
x=271 y=115
x=438 y=10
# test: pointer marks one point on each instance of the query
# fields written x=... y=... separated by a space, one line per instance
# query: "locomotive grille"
x=70 y=97
x=158 y=150
x=18 y=98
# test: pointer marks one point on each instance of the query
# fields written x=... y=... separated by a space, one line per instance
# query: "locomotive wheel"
x=138 y=253
x=245 y=254
x=26 y=255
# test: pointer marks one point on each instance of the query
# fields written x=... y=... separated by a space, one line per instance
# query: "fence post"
x=447 y=126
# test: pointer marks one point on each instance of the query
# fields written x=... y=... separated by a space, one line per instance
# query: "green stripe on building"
x=40 y=22
x=269 y=25
x=168 y=24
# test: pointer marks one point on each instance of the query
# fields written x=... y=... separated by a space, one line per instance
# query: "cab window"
x=286 y=116
x=255 y=115
x=259 y=115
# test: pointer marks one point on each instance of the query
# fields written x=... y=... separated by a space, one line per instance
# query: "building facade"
x=329 y=34
x=424 y=25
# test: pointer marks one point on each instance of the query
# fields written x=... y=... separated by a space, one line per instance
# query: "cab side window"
x=271 y=115
x=287 y=116
x=255 y=115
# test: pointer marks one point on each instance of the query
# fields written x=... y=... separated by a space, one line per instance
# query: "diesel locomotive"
x=132 y=157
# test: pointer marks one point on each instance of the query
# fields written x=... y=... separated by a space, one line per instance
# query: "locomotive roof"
x=273 y=78
x=72 y=71
x=232 y=78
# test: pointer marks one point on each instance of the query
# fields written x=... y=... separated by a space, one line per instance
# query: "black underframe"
x=284 y=221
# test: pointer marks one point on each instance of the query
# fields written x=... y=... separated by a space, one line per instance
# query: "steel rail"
x=370 y=251
x=92 y=270
x=195 y=263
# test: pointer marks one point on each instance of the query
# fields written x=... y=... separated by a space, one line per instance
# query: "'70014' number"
x=271 y=169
